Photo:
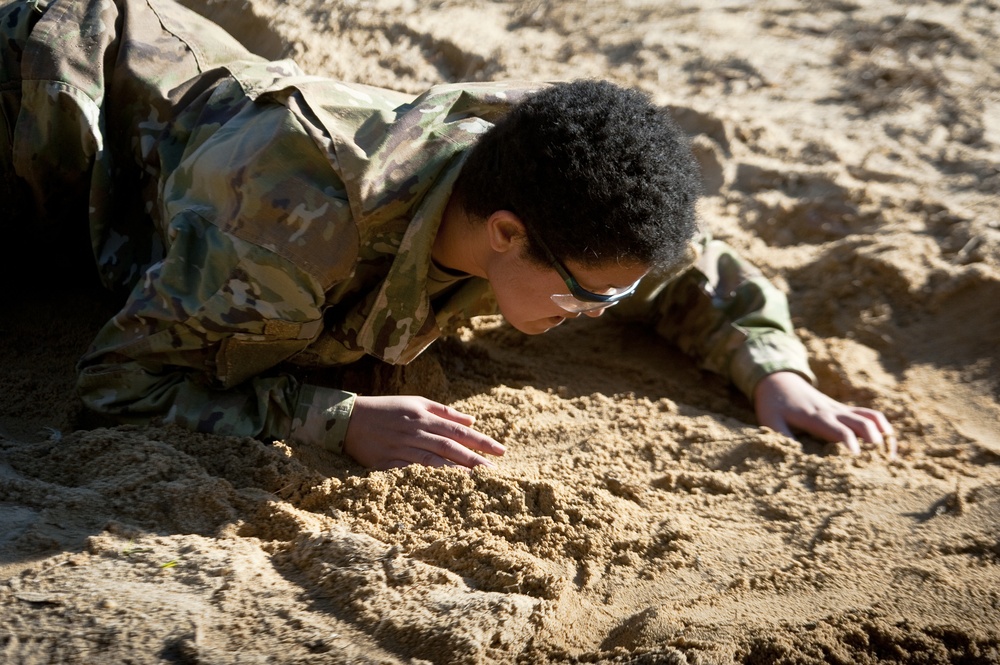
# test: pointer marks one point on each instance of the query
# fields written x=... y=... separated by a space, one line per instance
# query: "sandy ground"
x=850 y=149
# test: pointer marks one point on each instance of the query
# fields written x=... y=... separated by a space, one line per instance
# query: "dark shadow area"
x=578 y=359
x=48 y=325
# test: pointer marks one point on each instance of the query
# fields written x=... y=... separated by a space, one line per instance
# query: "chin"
x=537 y=326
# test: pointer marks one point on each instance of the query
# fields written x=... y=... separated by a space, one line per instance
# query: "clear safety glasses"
x=579 y=299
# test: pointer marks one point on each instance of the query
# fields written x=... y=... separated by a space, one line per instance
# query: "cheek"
x=524 y=299
x=520 y=304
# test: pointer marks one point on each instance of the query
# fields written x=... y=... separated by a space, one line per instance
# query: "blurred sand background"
x=850 y=149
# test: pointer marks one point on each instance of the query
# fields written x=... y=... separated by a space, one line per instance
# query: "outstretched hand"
x=785 y=401
x=394 y=431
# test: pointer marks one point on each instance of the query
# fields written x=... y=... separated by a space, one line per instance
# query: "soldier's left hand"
x=785 y=401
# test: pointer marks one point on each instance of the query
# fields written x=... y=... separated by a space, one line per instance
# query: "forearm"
x=131 y=392
x=275 y=407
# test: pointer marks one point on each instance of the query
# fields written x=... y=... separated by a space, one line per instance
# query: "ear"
x=506 y=231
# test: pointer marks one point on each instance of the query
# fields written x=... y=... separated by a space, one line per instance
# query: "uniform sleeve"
x=725 y=314
x=200 y=336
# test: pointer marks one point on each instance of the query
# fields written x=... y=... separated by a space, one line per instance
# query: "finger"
x=777 y=423
x=885 y=427
x=830 y=429
x=850 y=439
x=448 y=413
x=863 y=427
x=878 y=418
x=467 y=437
x=892 y=444
x=843 y=434
x=433 y=450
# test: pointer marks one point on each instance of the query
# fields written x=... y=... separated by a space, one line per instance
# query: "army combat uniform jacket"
x=260 y=217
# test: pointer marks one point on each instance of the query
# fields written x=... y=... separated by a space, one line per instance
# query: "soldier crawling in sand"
x=262 y=220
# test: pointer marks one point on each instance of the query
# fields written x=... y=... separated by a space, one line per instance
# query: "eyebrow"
x=609 y=285
x=586 y=287
x=601 y=288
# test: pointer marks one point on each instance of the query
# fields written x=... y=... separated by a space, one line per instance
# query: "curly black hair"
x=595 y=170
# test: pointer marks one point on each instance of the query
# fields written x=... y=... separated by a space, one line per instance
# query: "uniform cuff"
x=767 y=352
x=321 y=418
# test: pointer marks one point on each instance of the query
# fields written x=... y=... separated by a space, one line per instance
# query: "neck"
x=456 y=246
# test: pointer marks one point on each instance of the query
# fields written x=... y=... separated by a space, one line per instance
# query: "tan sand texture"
x=850 y=149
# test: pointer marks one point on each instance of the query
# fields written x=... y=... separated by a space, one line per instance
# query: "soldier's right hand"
x=394 y=431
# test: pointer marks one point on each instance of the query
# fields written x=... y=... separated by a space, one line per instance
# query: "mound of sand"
x=850 y=149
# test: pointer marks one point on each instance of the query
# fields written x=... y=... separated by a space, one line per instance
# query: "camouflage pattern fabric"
x=258 y=217
x=723 y=312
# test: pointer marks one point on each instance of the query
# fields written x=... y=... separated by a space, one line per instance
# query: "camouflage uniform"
x=258 y=216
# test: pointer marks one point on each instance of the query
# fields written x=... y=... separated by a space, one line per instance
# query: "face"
x=524 y=290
